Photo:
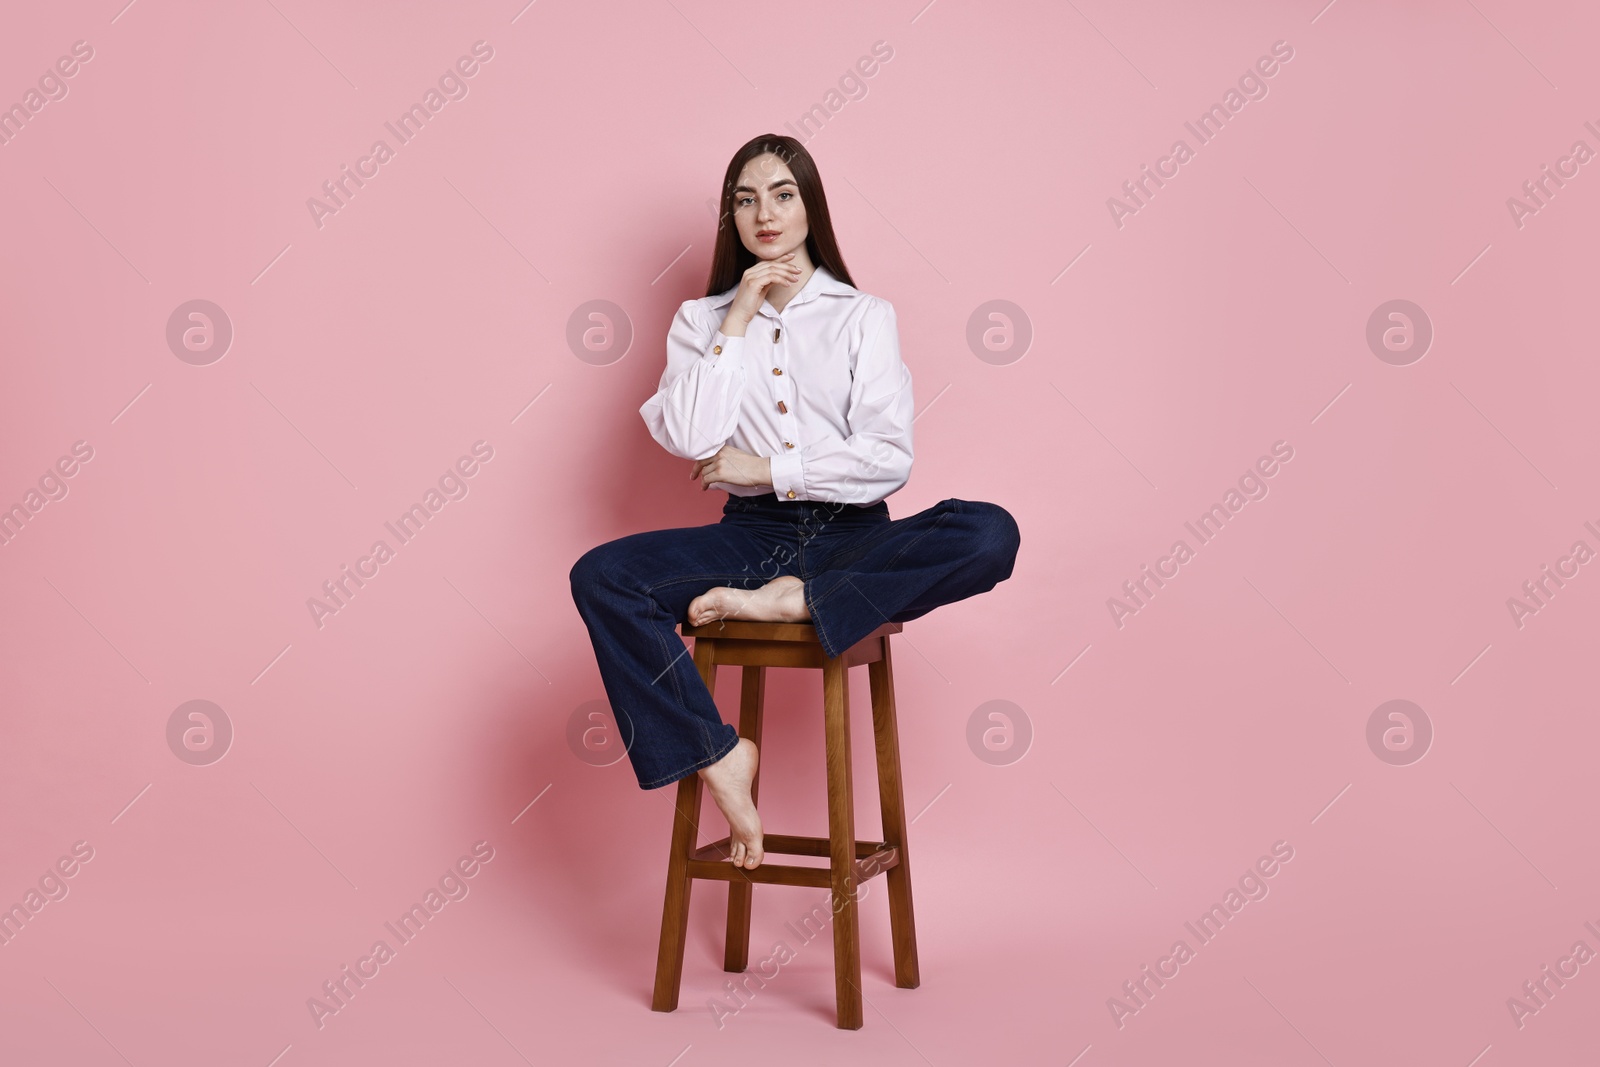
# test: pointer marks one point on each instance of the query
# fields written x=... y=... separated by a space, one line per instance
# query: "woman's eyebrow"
x=774 y=185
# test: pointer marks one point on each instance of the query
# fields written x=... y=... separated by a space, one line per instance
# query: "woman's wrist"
x=734 y=326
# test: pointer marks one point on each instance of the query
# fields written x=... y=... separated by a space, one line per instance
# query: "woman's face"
x=767 y=208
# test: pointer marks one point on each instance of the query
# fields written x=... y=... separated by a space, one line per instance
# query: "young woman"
x=784 y=385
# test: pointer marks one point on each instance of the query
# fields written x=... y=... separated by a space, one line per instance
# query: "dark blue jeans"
x=860 y=569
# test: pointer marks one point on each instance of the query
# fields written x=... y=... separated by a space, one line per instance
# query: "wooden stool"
x=757 y=646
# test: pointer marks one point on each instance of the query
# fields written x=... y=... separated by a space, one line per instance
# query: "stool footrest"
x=711 y=861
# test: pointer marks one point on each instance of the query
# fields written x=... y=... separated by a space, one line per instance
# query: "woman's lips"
x=769 y=235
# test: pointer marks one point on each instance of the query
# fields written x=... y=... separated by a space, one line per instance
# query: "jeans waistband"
x=772 y=504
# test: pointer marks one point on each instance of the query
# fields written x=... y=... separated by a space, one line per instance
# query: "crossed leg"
x=894 y=572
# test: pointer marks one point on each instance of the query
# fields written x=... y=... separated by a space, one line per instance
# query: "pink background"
x=1228 y=313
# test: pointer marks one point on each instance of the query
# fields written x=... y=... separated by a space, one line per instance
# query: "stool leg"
x=842 y=844
x=685 y=835
x=891 y=794
x=736 y=955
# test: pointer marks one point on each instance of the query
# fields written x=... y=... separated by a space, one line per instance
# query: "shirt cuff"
x=788 y=477
x=721 y=345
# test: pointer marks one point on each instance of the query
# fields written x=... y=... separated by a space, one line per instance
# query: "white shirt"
x=818 y=387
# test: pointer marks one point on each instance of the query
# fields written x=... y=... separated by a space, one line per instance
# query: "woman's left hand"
x=732 y=466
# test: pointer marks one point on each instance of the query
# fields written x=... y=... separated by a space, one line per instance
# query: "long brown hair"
x=731 y=258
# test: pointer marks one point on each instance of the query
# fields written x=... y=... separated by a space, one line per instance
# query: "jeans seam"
x=816 y=623
x=666 y=650
x=695 y=578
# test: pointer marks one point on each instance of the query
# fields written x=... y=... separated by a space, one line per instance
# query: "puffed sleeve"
x=875 y=460
x=696 y=406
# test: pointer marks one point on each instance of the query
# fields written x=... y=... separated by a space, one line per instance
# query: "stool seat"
x=755 y=646
x=744 y=629
x=782 y=644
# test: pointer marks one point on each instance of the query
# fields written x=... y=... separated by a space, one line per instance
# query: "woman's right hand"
x=753 y=290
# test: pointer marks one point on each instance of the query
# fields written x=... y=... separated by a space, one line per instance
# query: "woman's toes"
x=698 y=610
x=736 y=854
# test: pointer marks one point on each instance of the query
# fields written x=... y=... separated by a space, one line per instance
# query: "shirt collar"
x=822 y=280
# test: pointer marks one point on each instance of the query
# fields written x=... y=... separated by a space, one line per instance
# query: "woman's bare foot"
x=729 y=780
x=780 y=600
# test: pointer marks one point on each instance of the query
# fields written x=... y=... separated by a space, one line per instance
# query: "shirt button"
x=716 y=350
x=788 y=444
x=791 y=494
x=776 y=330
x=775 y=370
x=783 y=408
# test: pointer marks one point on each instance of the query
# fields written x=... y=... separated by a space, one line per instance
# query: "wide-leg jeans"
x=860 y=569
